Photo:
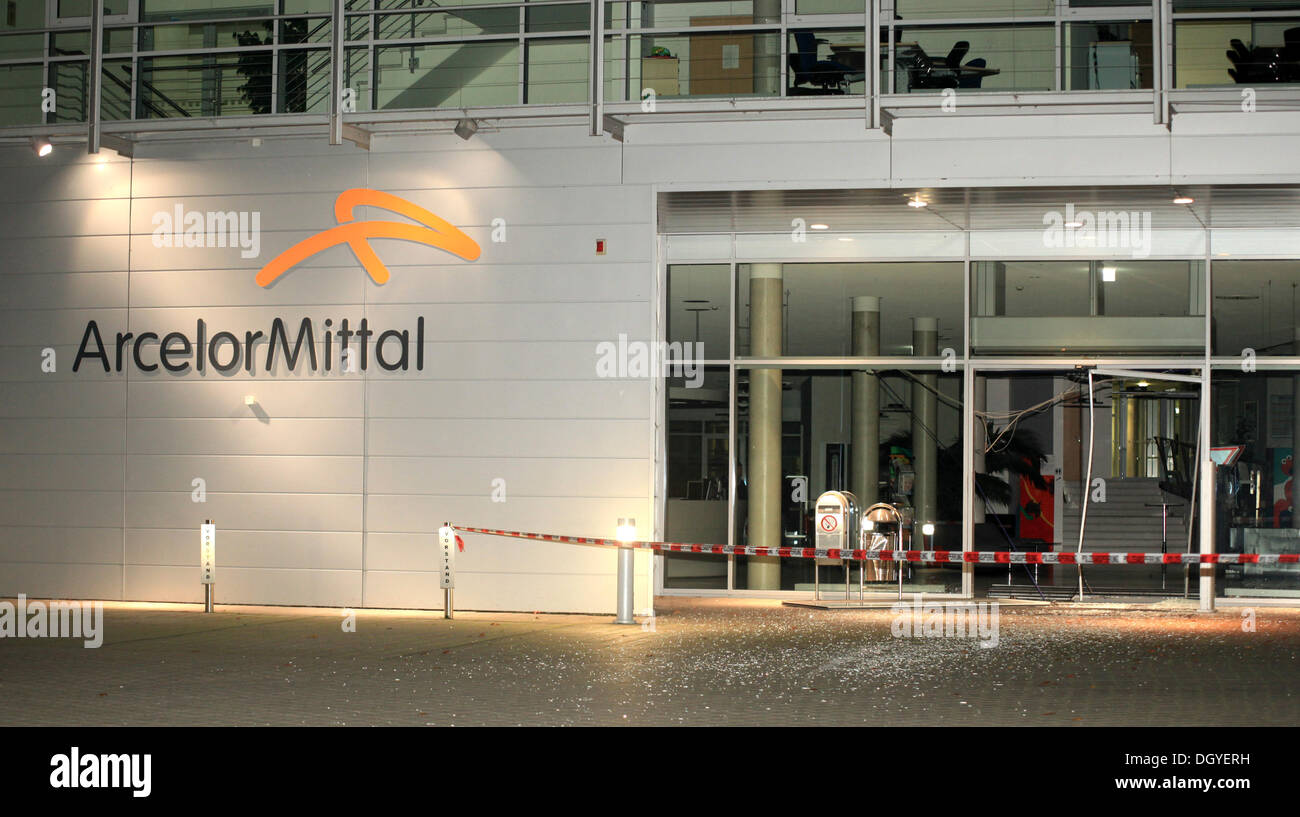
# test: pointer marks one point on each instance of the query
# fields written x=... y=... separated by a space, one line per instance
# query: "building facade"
x=675 y=262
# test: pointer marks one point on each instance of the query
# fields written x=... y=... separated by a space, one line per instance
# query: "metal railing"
x=895 y=57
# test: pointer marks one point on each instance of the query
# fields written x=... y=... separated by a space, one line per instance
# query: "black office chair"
x=827 y=76
x=972 y=79
x=926 y=72
x=958 y=52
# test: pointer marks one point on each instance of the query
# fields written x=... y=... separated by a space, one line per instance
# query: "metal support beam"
x=336 y=73
x=614 y=127
x=357 y=136
x=872 y=65
x=95 y=78
x=123 y=147
x=597 y=89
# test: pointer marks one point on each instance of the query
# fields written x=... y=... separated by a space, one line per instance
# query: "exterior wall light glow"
x=1183 y=200
x=626 y=530
x=928 y=529
x=916 y=201
x=42 y=146
x=250 y=400
x=1108 y=274
x=819 y=226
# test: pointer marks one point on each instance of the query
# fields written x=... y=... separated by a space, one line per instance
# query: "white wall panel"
x=325 y=550
x=225 y=473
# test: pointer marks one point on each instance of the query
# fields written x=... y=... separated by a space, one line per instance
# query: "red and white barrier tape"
x=936 y=556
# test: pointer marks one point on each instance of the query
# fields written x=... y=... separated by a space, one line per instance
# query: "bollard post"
x=626 y=571
x=208 y=561
x=447 y=576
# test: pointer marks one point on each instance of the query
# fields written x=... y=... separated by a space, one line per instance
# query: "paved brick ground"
x=708 y=662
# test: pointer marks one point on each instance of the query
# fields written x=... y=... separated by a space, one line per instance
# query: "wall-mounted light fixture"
x=1108 y=274
x=42 y=146
x=466 y=128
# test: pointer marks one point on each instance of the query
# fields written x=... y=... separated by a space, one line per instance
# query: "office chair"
x=972 y=79
x=827 y=75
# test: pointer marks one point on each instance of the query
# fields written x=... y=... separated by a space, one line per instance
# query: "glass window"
x=1075 y=288
x=115 y=90
x=557 y=71
x=826 y=61
x=20 y=94
x=27 y=46
x=698 y=307
x=1255 y=507
x=830 y=6
x=966 y=9
x=1210 y=53
x=465 y=23
x=576 y=17
x=304 y=81
x=1256 y=306
x=716 y=64
x=817 y=439
x=23 y=14
x=457 y=75
x=818 y=302
x=151 y=10
x=698 y=477
x=1021 y=58
x=1108 y=56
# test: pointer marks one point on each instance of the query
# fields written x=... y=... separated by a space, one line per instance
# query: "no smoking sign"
x=829 y=523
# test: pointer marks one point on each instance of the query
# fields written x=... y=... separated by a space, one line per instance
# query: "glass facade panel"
x=819 y=302
x=818 y=432
x=1255 y=508
x=557 y=71
x=153 y=10
x=967 y=9
x=549 y=18
x=1111 y=56
x=1212 y=53
x=1256 y=307
x=20 y=94
x=304 y=81
x=465 y=23
x=992 y=57
x=698 y=477
x=698 y=308
x=458 y=75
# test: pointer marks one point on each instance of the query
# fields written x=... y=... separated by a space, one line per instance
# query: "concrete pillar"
x=767 y=49
x=766 y=290
x=866 y=402
x=925 y=411
x=1132 y=447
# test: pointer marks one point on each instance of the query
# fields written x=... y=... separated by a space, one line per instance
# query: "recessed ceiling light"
x=1142 y=384
x=819 y=226
x=1183 y=200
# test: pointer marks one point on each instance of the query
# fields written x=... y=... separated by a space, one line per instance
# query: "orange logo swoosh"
x=431 y=231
